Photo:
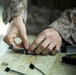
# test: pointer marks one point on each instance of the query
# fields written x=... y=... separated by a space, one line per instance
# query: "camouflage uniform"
x=65 y=25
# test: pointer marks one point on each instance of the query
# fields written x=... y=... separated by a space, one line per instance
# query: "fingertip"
x=27 y=47
x=6 y=39
x=29 y=52
x=54 y=52
x=26 y=43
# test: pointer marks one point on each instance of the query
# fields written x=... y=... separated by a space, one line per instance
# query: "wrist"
x=16 y=21
x=52 y=29
x=17 y=18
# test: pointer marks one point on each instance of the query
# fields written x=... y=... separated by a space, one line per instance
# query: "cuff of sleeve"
x=15 y=8
x=64 y=30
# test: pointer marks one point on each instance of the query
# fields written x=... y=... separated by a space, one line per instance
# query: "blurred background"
x=44 y=12
x=56 y=4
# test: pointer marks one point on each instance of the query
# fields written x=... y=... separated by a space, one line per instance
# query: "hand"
x=17 y=29
x=51 y=42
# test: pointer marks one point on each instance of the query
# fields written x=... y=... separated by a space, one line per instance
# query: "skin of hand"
x=17 y=29
x=51 y=42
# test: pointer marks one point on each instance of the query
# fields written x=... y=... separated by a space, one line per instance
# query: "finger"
x=49 y=48
x=56 y=50
x=37 y=41
x=20 y=45
x=42 y=47
x=10 y=40
x=25 y=40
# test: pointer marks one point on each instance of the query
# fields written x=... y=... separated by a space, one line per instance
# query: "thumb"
x=25 y=41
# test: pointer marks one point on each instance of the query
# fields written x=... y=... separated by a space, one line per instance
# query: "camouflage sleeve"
x=66 y=26
x=13 y=8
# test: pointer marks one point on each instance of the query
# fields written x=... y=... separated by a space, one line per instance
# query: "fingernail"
x=29 y=52
x=27 y=47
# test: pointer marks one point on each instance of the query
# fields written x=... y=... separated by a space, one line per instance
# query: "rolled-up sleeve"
x=13 y=8
x=66 y=26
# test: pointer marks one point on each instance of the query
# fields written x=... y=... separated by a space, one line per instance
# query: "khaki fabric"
x=14 y=8
x=65 y=25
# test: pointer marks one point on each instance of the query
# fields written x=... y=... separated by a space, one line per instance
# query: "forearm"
x=14 y=8
x=65 y=25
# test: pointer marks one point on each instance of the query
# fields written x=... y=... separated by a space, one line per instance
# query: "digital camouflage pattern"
x=65 y=25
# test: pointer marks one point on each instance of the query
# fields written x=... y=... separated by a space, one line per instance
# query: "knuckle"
x=36 y=52
x=45 y=33
x=54 y=52
x=49 y=50
x=6 y=38
x=42 y=47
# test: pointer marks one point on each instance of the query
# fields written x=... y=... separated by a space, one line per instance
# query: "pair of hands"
x=48 y=41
